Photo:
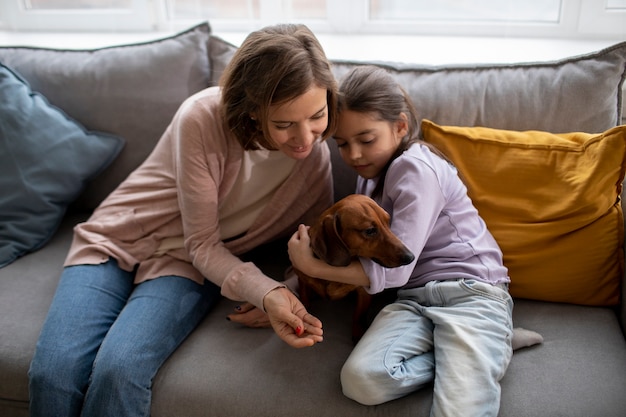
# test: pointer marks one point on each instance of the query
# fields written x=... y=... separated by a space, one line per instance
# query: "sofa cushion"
x=552 y=203
x=26 y=289
x=45 y=160
x=581 y=93
x=577 y=94
x=270 y=378
x=132 y=91
x=221 y=366
x=220 y=54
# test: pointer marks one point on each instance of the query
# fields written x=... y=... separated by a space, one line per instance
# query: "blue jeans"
x=457 y=333
x=105 y=338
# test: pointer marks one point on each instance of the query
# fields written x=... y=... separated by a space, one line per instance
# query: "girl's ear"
x=402 y=125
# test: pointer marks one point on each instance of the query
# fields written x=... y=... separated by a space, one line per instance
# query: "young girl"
x=239 y=165
x=452 y=321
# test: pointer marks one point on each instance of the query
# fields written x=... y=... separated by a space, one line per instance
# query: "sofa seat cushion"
x=26 y=289
x=552 y=203
x=225 y=369
x=247 y=372
x=46 y=159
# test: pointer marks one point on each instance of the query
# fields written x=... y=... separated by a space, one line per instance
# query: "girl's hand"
x=300 y=252
x=250 y=316
x=290 y=320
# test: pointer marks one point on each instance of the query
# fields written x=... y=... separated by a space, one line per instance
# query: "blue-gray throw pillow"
x=46 y=158
x=130 y=90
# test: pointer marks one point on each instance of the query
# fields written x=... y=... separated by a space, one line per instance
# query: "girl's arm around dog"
x=302 y=258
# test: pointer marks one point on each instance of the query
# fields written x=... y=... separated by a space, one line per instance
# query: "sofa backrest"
x=578 y=94
x=134 y=90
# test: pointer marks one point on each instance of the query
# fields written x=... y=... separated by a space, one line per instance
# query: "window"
x=546 y=11
x=79 y=15
x=246 y=9
x=76 y=5
x=511 y=18
x=598 y=17
x=616 y=4
x=458 y=17
x=228 y=10
x=246 y=15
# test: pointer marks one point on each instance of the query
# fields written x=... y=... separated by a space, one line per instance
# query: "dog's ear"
x=327 y=243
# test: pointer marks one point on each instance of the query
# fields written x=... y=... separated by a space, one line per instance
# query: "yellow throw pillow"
x=552 y=201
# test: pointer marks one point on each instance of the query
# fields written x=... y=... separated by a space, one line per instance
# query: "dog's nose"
x=398 y=259
x=407 y=258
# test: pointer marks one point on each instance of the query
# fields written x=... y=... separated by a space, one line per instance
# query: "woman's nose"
x=305 y=135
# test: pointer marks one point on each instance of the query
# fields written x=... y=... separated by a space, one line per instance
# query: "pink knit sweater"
x=177 y=192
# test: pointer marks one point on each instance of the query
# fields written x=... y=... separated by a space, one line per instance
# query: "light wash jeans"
x=457 y=333
x=105 y=338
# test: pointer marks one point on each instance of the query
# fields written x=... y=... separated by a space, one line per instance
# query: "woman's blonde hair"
x=273 y=65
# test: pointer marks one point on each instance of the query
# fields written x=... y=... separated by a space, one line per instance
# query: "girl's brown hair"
x=273 y=65
x=371 y=89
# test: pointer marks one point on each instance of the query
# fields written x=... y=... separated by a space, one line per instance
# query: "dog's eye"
x=370 y=232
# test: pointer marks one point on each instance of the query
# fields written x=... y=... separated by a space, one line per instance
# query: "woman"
x=239 y=165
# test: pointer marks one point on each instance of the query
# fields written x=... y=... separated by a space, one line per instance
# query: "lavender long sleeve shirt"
x=434 y=217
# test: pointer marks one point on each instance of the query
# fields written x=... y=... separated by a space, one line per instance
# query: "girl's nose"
x=355 y=152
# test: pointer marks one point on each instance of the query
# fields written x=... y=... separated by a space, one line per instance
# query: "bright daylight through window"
x=76 y=4
x=529 y=18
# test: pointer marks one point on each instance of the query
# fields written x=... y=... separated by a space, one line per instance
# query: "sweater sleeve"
x=413 y=196
x=200 y=151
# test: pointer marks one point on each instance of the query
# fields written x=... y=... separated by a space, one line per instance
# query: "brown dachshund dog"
x=355 y=226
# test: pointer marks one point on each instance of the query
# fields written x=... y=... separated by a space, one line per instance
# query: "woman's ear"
x=402 y=125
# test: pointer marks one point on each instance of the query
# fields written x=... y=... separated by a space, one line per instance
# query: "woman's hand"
x=290 y=320
x=300 y=252
x=250 y=316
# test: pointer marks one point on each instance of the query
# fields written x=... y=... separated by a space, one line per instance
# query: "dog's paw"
x=523 y=338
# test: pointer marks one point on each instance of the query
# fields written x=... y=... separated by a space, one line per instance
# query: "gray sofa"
x=223 y=369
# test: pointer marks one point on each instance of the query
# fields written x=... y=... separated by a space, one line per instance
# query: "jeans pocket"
x=486 y=290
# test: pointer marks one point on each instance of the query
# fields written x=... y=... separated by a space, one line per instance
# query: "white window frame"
x=595 y=20
x=271 y=12
x=141 y=16
x=579 y=19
